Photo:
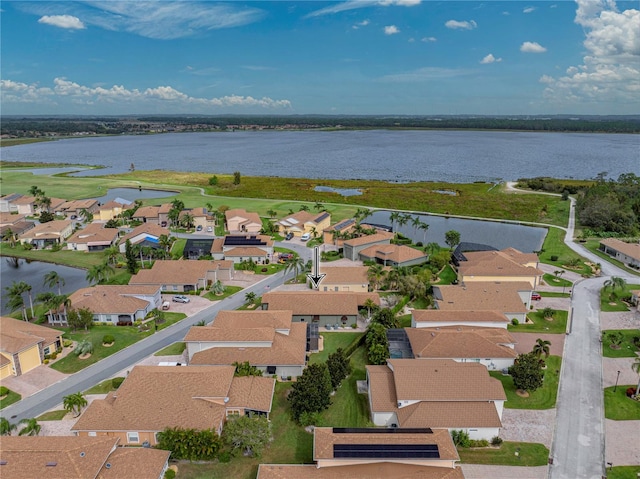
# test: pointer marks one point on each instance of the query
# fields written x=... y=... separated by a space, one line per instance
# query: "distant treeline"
x=50 y=126
x=605 y=207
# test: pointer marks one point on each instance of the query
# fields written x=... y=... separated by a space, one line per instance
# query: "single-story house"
x=26 y=205
x=239 y=248
x=75 y=207
x=364 y=453
x=153 y=214
x=23 y=345
x=438 y=318
x=504 y=265
x=267 y=339
x=147 y=234
x=393 y=255
x=439 y=393
x=303 y=222
x=153 y=398
x=353 y=247
x=93 y=237
x=465 y=247
x=491 y=347
x=179 y=276
x=113 y=304
x=345 y=278
x=73 y=457
x=333 y=234
x=7 y=203
x=241 y=221
x=113 y=209
x=329 y=308
x=627 y=253
x=513 y=299
x=17 y=223
x=47 y=234
x=201 y=217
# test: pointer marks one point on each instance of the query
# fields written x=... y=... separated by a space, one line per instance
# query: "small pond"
x=340 y=191
x=132 y=194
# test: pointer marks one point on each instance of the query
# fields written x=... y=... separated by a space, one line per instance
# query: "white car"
x=305 y=237
x=209 y=229
x=179 y=298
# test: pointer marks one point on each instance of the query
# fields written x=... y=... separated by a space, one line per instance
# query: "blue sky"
x=357 y=57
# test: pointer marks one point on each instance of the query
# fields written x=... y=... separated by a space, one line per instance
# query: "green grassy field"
x=626 y=349
x=618 y=406
x=542 y=398
x=333 y=341
x=559 y=282
x=609 y=303
x=10 y=398
x=555 y=325
x=623 y=472
x=554 y=245
x=530 y=454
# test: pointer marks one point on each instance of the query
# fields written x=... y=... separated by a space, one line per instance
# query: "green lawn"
x=53 y=415
x=103 y=388
x=543 y=398
x=611 y=304
x=333 y=341
x=529 y=454
x=76 y=259
x=593 y=244
x=291 y=445
x=552 y=280
x=557 y=325
x=228 y=291
x=618 y=406
x=404 y=321
x=626 y=349
x=172 y=350
x=623 y=472
x=348 y=408
x=554 y=245
x=11 y=398
x=551 y=294
x=447 y=275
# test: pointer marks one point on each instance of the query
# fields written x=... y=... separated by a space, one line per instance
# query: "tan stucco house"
x=304 y=222
x=47 y=234
x=180 y=276
x=344 y=278
x=242 y=221
x=627 y=253
x=507 y=265
x=93 y=237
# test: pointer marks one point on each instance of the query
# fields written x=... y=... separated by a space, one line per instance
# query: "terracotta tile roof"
x=457 y=316
x=454 y=414
x=440 y=380
x=94 y=233
x=77 y=205
x=105 y=299
x=147 y=212
x=498 y=263
x=460 y=342
x=252 y=392
x=16 y=335
x=367 y=239
x=243 y=216
x=318 y=302
x=325 y=438
x=10 y=219
x=298 y=219
x=217 y=246
x=109 y=205
x=24 y=200
x=377 y=470
x=345 y=274
x=240 y=319
x=245 y=252
x=138 y=462
x=483 y=295
x=27 y=456
x=393 y=252
x=285 y=349
x=51 y=229
x=177 y=271
x=183 y=396
x=165 y=208
x=146 y=228
x=630 y=249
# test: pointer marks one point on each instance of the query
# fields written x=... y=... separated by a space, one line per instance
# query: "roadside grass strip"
x=618 y=406
x=528 y=454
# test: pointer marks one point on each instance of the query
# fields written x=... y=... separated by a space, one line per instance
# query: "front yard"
x=557 y=324
x=618 y=406
x=10 y=398
x=527 y=454
x=621 y=347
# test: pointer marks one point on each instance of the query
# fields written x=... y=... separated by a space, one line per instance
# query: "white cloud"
x=461 y=25
x=505 y=13
x=428 y=39
x=424 y=74
x=63 y=90
x=391 y=30
x=363 y=23
x=532 y=47
x=529 y=10
x=63 y=21
x=490 y=59
x=553 y=6
x=610 y=71
x=158 y=20
x=355 y=4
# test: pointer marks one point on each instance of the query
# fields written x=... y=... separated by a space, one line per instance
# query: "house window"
x=233 y=412
x=175 y=287
x=316 y=318
x=337 y=288
x=133 y=437
x=46 y=350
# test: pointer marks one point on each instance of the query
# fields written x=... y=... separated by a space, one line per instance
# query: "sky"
x=362 y=57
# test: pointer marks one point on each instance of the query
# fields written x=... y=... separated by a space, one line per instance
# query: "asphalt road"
x=50 y=397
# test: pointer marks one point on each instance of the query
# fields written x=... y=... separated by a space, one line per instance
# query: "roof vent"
x=51 y=464
x=107 y=465
x=82 y=454
x=433 y=334
x=3 y=463
x=226 y=400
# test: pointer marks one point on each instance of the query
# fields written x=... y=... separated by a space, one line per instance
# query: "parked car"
x=289 y=236
x=179 y=298
x=536 y=296
x=305 y=237
x=199 y=228
x=166 y=305
x=209 y=229
x=285 y=257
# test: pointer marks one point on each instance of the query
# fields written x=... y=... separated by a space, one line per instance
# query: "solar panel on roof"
x=243 y=240
x=344 y=224
x=386 y=451
x=321 y=217
x=382 y=430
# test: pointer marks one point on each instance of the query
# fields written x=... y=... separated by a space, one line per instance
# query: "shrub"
x=354 y=325
x=67 y=343
x=636 y=341
x=4 y=390
x=169 y=474
x=108 y=339
x=630 y=392
x=46 y=361
x=309 y=418
x=225 y=457
x=47 y=356
x=478 y=443
x=53 y=355
x=460 y=438
x=496 y=441
x=264 y=270
x=515 y=321
x=553 y=257
x=116 y=382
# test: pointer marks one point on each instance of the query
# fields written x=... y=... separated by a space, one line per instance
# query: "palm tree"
x=393 y=217
x=304 y=208
x=74 y=403
x=87 y=216
x=30 y=428
x=217 y=288
x=432 y=248
x=393 y=277
x=295 y=264
x=370 y=306
x=112 y=253
x=636 y=368
x=424 y=227
x=165 y=242
x=52 y=277
x=541 y=347
x=250 y=297
x=615 y=283
x=375 y=274
x=272 y=213
x=16 y=300
x=415 y=222
x=6 y=427
x=403 y=219
x=548 y=313
x=318 y=206
x=99 y=273
x=187 y=220
x=9 y=236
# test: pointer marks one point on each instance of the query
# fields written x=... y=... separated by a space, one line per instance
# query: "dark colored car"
x=285 y=257
x=289 y=236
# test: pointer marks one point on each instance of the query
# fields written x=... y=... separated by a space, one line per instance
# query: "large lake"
x=402 y=156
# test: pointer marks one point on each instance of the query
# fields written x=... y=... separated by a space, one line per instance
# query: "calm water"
x=402 y=156
x=132 y=194
x=33 y=273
